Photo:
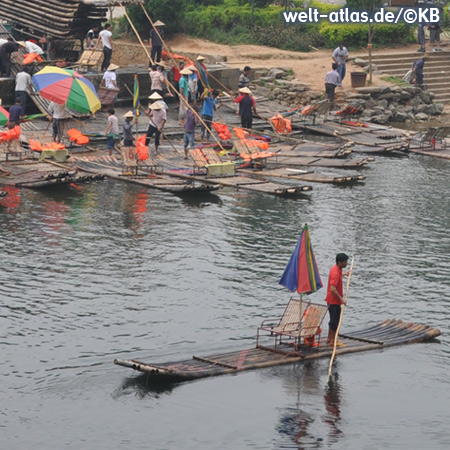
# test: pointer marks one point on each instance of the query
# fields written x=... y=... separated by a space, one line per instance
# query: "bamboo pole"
x=340 y=319
x=136 y=33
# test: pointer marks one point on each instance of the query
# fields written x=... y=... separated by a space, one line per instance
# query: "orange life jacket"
x=281 y=124
x=77 y=137
x=10 y=135
x=30 y=57
x=141 y=148
x=39 y=147
x=222 y=130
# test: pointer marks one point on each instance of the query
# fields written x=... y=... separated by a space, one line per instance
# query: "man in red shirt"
x=335 y=294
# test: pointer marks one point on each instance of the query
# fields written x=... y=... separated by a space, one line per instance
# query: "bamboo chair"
x=208 y=159
x=300 y=320
x=89 y=60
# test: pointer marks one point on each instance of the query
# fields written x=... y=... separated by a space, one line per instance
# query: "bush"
x=357 y=35
x=289 y=38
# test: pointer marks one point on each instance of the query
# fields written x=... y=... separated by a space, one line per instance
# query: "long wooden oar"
x=340 y=319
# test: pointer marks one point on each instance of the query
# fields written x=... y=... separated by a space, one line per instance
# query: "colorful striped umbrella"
x=4 y=116
x=67 y=87
x=301 y=273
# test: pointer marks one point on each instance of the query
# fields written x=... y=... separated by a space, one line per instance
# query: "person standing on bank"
x=340 y=56
x=247 y=107
x=332 y=80
x=335 y=296
x=156 y=42
x=244 y=78
x=105 y=36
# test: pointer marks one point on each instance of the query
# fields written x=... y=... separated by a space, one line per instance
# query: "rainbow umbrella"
x=4 y=116
x=67 y=87
x=301 y=273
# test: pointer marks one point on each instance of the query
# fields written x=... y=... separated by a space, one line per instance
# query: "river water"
x=108 y=270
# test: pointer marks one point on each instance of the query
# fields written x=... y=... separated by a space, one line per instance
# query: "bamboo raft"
x=248 y=183
x=113 y=168
x=303 y=161
x=304 y=175
x=37 y=175
x=389 y=333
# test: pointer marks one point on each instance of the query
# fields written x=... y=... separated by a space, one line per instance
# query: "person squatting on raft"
x=335 y=296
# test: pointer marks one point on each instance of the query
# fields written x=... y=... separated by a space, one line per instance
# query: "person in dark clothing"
x=247 y=107
x=15 y=114
x=5 y=56
x=156 y=42
x=418 y=69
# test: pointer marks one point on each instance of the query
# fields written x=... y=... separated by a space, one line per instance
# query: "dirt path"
x=308 y=67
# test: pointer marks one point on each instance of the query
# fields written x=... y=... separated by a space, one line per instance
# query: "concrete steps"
x=436 y=70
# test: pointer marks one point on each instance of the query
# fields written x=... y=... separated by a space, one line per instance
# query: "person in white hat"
x=184 y=93
x=201 y=65
x=155 y=97
x=193 y=83
x=158 y=118
x=247 y=107
x=127 y=150
x=109 y=81
x=156 y=41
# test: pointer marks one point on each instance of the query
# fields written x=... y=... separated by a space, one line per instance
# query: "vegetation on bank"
x=234 y=22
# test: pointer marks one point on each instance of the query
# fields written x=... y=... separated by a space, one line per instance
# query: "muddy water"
x=109 y=271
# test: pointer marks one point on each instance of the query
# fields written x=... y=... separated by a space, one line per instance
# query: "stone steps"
x=436 y=70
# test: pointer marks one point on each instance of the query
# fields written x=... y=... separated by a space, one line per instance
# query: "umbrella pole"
x=340 y=320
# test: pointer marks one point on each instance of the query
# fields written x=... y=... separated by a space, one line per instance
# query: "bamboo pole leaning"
x=136 y=33
x=340 y=319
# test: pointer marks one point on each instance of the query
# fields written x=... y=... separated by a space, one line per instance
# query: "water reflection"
x=333 y=406
x=144 y=386
x=301 y=424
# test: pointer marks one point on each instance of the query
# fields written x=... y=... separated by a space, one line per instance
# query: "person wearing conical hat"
x=156 y=41
x=192 y=83
x=109 y=81
x=201 y=65
x=158 y=118
x=184 y=93
x=127 y=149
x=155 y=97
x=247 y=107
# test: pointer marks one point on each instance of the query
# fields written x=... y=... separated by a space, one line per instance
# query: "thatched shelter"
x=56 y=18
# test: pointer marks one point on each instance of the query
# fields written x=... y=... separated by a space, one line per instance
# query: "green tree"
x=171 y=12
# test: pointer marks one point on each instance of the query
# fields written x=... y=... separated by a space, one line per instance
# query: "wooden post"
x=340 y=319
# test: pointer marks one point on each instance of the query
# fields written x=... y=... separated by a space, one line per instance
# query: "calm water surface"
x=108 y=270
